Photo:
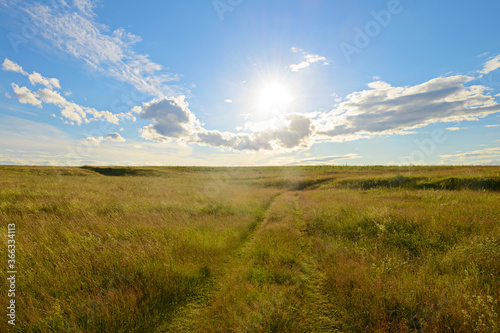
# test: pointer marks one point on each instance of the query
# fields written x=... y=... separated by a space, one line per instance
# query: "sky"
x=249 y=82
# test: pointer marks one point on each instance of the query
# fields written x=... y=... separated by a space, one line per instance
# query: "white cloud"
x=171 y=118
x=490 y=126
x=115 y=137
x=136 y=109
x=308 y=60
x=52 y=97
x=48 y=82
x=85 y=7
x=96 y=140
x=453 y=129
x=295 y=132
x=380 y=110
x=25 y=96
x=9 y=65
x=228 y=101
x=384 y=109
x=71 y=111
x=491 y=65
x=35 y=78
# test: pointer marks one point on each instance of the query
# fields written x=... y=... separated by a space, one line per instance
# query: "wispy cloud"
x=325 y=160
x=491 y=65
x=308 y=60
x=483 y=156
x=453 y=129
x=491 y=126
x=85 y=7
x=73 y=29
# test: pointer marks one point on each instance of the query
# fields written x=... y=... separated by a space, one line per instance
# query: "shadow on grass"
x=125 y=171
x=422 y=183
x=296 y=185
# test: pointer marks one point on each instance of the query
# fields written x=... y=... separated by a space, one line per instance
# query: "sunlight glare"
x=274 y=97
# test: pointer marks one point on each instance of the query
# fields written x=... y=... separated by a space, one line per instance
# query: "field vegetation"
x=275 y=249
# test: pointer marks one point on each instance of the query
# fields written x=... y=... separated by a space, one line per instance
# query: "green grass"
x=279 y=249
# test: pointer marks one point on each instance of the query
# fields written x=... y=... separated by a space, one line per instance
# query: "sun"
x=274 y=97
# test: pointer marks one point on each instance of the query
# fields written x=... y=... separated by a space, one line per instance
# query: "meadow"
x=253 y=249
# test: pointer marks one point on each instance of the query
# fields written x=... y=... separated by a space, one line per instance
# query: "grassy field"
x=279 y=249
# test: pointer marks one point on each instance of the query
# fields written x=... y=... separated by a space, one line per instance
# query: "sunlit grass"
x=354 y=249
x=408 y=260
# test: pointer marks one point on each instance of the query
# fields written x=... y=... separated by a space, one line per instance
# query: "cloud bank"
x=384 y=109
x=380 y=110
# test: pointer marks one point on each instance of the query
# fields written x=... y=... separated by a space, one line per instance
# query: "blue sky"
x=249 y=82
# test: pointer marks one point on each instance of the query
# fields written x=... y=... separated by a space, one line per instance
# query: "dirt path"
x=317 y=302
x=186 y=316
x=270 y=284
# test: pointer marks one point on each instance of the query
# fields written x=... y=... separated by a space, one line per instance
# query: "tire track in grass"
x=319 y=308
x=186 y=314
x=271 y=284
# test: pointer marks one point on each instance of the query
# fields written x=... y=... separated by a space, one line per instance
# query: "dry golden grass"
x=352 y=249
x=399 y=261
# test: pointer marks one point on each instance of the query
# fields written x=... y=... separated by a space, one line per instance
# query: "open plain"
x=257 y=249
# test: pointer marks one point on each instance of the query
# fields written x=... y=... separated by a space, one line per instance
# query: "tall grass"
x=100 y=254
x=281 y=249
x=400 y=260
